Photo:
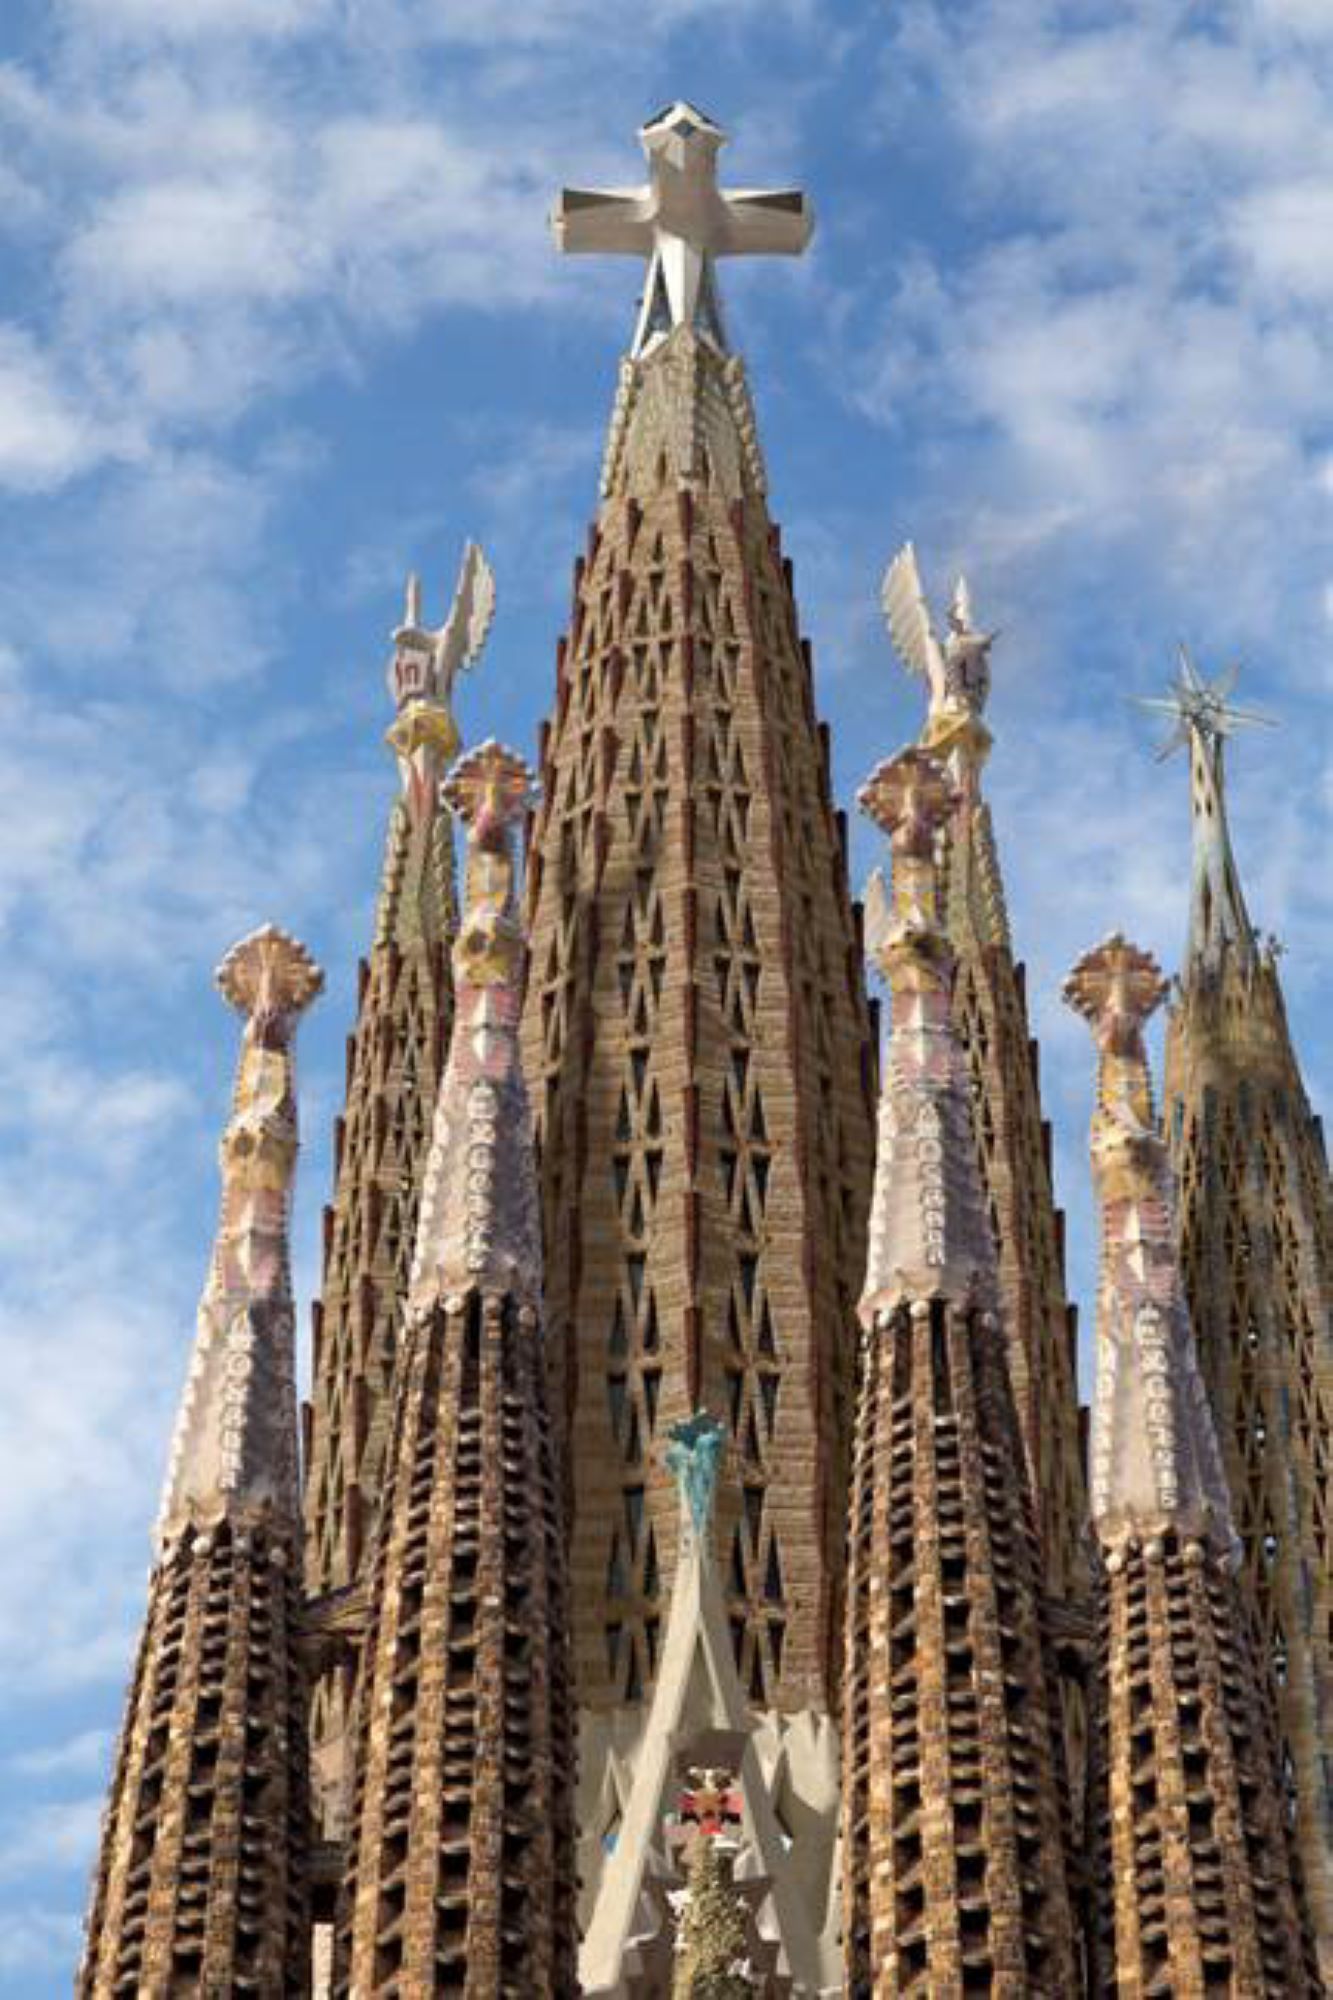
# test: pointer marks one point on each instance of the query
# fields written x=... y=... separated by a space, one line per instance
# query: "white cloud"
x=45 y=437
x=34 y=1938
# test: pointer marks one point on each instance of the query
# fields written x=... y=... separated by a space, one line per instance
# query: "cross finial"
x=1195 y=704
x=680 y=222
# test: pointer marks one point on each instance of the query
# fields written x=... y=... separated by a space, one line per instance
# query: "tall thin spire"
x=696 y=1036
x=1256 y=1248
x=1156 y=1468
x=1203 y=717
x=1012 y=1138
x=394 y=1061
x=202 y=1879
x=955 y=1849
x=1191 y=1877
x=460 y=1872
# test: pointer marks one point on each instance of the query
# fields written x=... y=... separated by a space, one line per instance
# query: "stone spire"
x=696 y=1040
x=394 y=1061
x=1012 y=1137
x=1256 y=1251
x=460 y=1873
x=202 y=1878
x=1192 y=1885
x=955 y=1811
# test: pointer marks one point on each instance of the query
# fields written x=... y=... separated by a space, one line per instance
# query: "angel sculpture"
x=426 y=663
x=957 y=669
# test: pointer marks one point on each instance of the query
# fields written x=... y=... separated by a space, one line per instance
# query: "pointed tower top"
x=680 y=222
x=1202 y=717
x=1156 y=1466
x=929 y=1233
x=479 y=1225
x=235 y=1441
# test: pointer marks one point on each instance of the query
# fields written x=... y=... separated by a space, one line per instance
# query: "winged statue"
x=957 y=668
x=459 y=640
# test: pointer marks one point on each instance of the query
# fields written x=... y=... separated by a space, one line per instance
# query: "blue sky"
x=279 y=318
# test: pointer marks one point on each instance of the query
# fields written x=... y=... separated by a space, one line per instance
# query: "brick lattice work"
x=395 y=1058
x=460 y=1876
x=202 y=1882
x=1257 y=1259
x=1191 y=1876
x=696 y=1046
x=955 y=1850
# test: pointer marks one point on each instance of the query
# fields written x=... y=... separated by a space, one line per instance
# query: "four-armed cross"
x=681 y=221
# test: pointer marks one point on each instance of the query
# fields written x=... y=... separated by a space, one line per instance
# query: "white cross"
x=680 y=222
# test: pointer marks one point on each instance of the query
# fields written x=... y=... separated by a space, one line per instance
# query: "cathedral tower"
x=990 y=1013
x=460 y=1875
x=695 y=1031
x=202 y=1880
x=1192 y=1889
x=394 y=1062
x=1256 y=1248
x=955 y=1847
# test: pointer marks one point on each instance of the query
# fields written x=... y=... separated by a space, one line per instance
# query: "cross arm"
x=776 y=222
x=609 y=221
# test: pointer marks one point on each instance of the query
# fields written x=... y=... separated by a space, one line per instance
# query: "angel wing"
x=907 y=615
x=878 y=912
x=464 y=631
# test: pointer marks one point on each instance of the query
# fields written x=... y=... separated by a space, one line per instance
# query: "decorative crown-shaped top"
x=269 y=975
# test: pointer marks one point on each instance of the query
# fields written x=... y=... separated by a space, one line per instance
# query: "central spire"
x=681 y=221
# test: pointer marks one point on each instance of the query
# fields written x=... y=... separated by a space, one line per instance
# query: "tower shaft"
x=1256 y=1249
x=460 y=1875
x=1193 y=1890
x=696 y=1040
x=955 y=1802
x=202 y=1881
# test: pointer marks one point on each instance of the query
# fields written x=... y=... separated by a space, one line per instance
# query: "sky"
x=280 y=319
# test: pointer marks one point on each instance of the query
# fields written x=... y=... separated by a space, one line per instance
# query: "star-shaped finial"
x=1196 y=704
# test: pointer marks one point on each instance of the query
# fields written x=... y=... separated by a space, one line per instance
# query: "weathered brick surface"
x=201 y=1885
x=956 y=1833
x=1192 y=1889
x=696 y=1047
x=1256 y=1251
x=460 y=1875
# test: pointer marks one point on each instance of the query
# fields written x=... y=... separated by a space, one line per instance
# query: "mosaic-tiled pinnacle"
x=460 y=1874
x=696 y=1040
x=955 y=1848
x=394 y=1060
x=202 y=1877
x=1256 y=1249
x=1192 y=1888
